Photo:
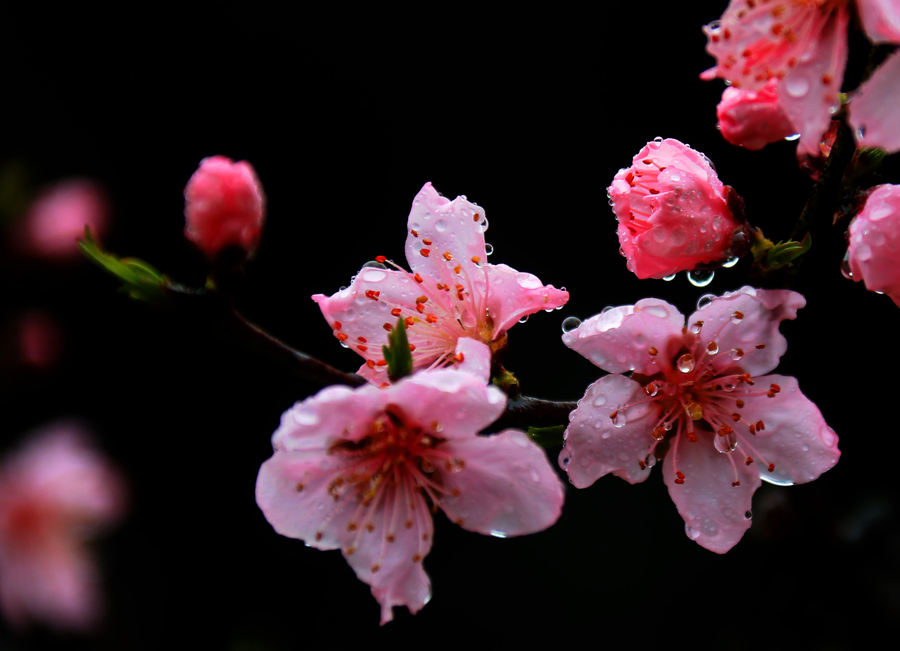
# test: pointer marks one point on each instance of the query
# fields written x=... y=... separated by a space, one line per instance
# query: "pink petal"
x=619 y=339
x=595 y=445
x=505 y=488
x=716 y=513
x=753 y=119
x=476 y=358
x=873 y=111
x=451 y=403
x=875 y=240
x=796 y=438
x=809 y=91
x=740 y=321
x=513 y=294
x=881 y=20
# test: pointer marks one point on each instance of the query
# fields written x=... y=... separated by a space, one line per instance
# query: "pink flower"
x=802 y=45
x=673 y=211
x=753 y=119
x=452 y=291
x=58 y=217
x=224 y=206
x=699 y=399
x=55 y=494
x=358 y=469
x=873 y=111
x=875 y=241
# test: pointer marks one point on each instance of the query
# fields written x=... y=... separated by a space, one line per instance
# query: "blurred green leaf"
x=140 y=280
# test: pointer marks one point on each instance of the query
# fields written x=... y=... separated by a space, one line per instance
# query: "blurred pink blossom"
x=358 y=469
x=57 y=218
x=801 y=45
x=874 y=242
x=752 y=119
x=224 y=205
x=38 y=340
x=452 y=291
x=56 y=493
x=673 y=211
x=699 y=399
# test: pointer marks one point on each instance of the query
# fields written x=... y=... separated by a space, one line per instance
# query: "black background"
x=345 y=115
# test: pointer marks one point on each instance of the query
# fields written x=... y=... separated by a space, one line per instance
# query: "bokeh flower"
x=56 y=493
x=674 y=213
x=224 y=206
x=450 y=292
x=874 y=242
x=698 y=398
x=357 y=470
x=753 y=119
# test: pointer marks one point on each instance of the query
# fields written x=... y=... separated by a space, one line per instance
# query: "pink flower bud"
x=672 y=210
x=753 y=119
x=875 y=240
x=224 y=205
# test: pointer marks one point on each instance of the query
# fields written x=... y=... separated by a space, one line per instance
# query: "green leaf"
x=140 y=280
x=547 y=437
x=397 y=354
x=784 y=253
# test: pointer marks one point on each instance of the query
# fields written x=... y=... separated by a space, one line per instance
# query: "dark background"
x=345 y=115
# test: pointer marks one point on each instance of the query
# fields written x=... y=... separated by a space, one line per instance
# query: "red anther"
x=426 y=242
x=362 y=347
x=381 y=362
x=375 y=568
x=692 y=438
x=299 y=487
x=417 y=278
x=776 y=29
x=771 y=467
x=712 y=347
x=396 y=311
x=725 y=430
x=659 y=433
x=414 y=233
x=447 y=256
x=337 y=325
x=370 y=528
x=370 y=363
x=746 y=53
x=614 y=414
x=341 y=336
x=440 y=286
x=647 y=161
x=760 y=426
x=827 y=79
x=411 y=347
x=383 y=385
x=476 y=259
x=351 y=527
x=746 y=377
x=749 y=461
x=362 y=340
x=654 y=191
x=371 y=293
x=390 y=537
x=752 y=428
x=642 y=465
x=459 y=357
x=699 y=324
x=738 y=314
x=459 y=288
x=679 y=481
x=651 y=389
x=460 y=296
x=715 y=38
x=735 y=417
x=653 y=352
x=726 y=34
x=774 y=388
x=457 y=269
x=431 y=318
x=735 y=484
x=679 y=474
x=380 y=258
x=476 y=217
x=630 y=179
x=422 y=299
x=425 y=253
x=760 y=346
x=318 y=535
x=771 y=394
x=739 y=403
x=408 y=321
x=388 y=327
x=420 y=308
x=416 y=558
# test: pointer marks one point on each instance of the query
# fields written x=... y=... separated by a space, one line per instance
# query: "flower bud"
x=753 y=119
x=673 y=211
x=224 y=206
x=874 y=241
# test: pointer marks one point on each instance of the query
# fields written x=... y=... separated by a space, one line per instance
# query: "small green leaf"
x=547 y=437
x=397 y=354
x=140 y=280
x=784 y=253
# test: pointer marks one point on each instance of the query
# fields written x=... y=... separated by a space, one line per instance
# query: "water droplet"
x=712 y=348
x=796 y=85
x=523 y=319
x=705 y=300
x=496 y=533
x=700 y=278
x=692 y=533
x=570 y=323
x=440 y=225
x=845 y=267
x=792 y=137
x=373 y=275
x=686 y=363
x=678 y=235
x=600 y=400
x=527 y=281
x=860 y=132
x=606 y=309
x=619 y=420
x=730 y=262
x=778 y=481
x=659 y=234
x=344 y=344
x=737 y=317
x=863 y=252
x=305 y=417
x=658 y=311
x=668 y=278
x=650 y=460
x=725 y=444
x=566 y=460
x=488 y=249
x=748 y=515
x=736 y=353
x=695 y=327
x=374 y=264
x=658 y=139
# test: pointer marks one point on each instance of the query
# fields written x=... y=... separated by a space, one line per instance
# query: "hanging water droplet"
x=668 y=278
x=523 y=319
x=650 y=460
x=712 y=348
x=606 y=309
x=792 y=137
x=692 y=533
x=658 y=139
x=748 y=515
x=725 y=444
x=344 y=344
x=619 y=420
x=705 y=300
x=736 y=353
x=730 y=262
x=845 y=267
x=570 y=323
x=374 y=264
x=652 y=389
x=488 y=249
x=700 y=278
x=737 y=317
x=860 y=132
x=696 y=326
x=686 y=363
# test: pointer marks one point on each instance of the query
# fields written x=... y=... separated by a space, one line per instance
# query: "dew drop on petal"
x=692 y=533
x=737 y=317
x=748 y=515
x=440 y=225
x=730 y=263
x=658 y=311
x=650 y=460
x=686 y=363
x=488 y=248
x=736 y=353
x=606 y=309
x=700 y=278
x=570 y=323
x=792 y=137
x=796 y=85
x=705 y=300
x=668 y=278
x=373 y=275
x=712 y=348
x=523 y=319
x=600 y=400
x=374 y=264
x=845 y=267
x=496 y=533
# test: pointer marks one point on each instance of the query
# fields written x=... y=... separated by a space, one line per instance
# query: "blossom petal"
x=881 y=20
x=513 y=294
x=452 y=403
x=753 y=119
x=336 y=412
x=476 y=358
x=715 y=511
x=873 y=111
x=505 y=488
x=795 y=439
x=619 y=339
x=874 y=239
x=595 y=445
x=740 y=321
x=809 y=91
